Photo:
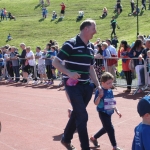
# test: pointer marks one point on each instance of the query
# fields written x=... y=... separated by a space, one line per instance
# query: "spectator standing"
x=15 y=63
x=135 y=52
x=142 y=131
x=52 y=56
x=29 y=66
x=2 y=14
x=44 y=12
x=144 y=55
x=123 y=53
x=106 y=54
x=132 y=5
x=9 y=66
x=41 y=64
x=1 y=63
x=5 y=53
x=143 y=4
x=5 y=13
x=78 y=69
x=113 y=51
x=99 y=66
x=62 y=12
x=114 y=41
x=48 y=2
x=119 y=8
x=22 y=58
x=48 y=64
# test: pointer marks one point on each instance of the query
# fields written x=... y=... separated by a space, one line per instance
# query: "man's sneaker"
x=117 y=148
x=68 y=146
x=94 y=141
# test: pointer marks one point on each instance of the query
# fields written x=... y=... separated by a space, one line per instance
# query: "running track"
x=34 y=117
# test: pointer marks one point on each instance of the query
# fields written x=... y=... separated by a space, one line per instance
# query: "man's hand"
x=74 y=75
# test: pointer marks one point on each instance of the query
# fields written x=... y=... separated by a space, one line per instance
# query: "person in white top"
x=41 y=63
x=113 y=51
x=29 y=65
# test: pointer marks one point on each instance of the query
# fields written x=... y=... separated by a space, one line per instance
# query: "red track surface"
x=33 y=118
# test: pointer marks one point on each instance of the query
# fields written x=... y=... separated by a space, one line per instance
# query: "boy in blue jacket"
x=141 y=139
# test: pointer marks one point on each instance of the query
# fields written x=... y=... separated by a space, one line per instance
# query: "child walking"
x=141 y=139
x=105 y=107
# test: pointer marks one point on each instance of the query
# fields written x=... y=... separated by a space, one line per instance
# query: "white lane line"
x=30 y=121
x=7 y=145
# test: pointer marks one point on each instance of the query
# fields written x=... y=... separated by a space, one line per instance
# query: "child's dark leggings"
x=107 y=128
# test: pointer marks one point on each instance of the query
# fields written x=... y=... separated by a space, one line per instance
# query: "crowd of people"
x=39 y=65
x=27 y=65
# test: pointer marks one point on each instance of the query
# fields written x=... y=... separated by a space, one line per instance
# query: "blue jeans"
x=16 y=72
x=107 y=128
x=80 y=96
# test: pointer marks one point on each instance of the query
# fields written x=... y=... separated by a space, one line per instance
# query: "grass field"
x=29 y=29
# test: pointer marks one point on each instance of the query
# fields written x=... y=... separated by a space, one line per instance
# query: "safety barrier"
x=139 y=77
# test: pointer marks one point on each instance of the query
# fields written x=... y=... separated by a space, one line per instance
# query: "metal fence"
x=139 y=76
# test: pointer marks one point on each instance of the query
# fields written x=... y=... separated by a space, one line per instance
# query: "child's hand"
x=119 y=114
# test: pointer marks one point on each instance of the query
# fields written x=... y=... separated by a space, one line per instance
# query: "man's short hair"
x=86 y=23
x=108 y=40
x=38 y=47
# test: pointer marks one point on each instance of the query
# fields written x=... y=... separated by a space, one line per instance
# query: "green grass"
x=29 y=30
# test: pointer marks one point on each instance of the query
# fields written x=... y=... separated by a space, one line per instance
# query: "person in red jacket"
x=62 y=12
x=123 y=53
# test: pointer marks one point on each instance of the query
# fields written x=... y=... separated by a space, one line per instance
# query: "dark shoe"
x=68 y=146
x=127 y=91
x=94 y=141
x=21 y=80
x=24 y=81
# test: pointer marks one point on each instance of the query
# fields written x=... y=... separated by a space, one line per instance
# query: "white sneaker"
x=35 y=82
x=30 y=75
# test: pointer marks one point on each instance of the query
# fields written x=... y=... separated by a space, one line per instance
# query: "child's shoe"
x=94 y=141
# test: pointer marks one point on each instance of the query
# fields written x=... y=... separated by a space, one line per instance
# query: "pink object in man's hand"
x=71 y=82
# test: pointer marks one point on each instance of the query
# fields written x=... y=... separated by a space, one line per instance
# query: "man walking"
x=78 y=54
x=113 y=24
